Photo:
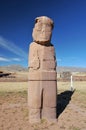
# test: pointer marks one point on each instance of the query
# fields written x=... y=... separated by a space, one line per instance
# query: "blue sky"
x=69 y=33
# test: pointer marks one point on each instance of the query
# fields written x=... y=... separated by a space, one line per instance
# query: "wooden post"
x=71 y=83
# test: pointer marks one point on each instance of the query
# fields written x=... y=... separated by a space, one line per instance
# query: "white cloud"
x=4 y=59
x=16 y=59
x=12 y=47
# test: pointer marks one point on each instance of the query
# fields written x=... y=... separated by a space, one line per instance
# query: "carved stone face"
x=42 y=30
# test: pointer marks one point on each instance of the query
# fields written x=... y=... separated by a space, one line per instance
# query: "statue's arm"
x=34 y=62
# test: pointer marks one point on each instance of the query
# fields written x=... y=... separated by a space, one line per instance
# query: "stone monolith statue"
x=42 y=90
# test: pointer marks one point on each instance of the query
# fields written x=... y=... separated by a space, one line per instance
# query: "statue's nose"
x=43 y=29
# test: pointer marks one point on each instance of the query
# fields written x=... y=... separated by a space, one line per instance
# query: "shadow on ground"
x=5 y=74
x=63 y=100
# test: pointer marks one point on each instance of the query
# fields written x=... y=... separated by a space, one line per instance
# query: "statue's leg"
x=49 y=100
x=34 y=101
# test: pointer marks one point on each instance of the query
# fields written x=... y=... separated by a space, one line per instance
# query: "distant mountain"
x=71 y=69
x=60 y=69
x=13 y=68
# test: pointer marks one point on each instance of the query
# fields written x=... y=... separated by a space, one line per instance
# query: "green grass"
x=79 y=96
x=16 y=92
x=21 y=88
x=6 y=87
x=75 y=128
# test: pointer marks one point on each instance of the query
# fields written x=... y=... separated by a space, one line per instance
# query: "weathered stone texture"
x=41 y=57
x=42 y=75
x=42 y=30
x=42 y=88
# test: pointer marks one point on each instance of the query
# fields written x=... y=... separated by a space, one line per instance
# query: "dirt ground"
x=71 y=111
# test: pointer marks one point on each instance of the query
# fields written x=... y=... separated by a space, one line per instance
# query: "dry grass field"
x=71 y=107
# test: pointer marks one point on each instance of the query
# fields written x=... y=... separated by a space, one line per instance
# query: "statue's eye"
x=38 y=26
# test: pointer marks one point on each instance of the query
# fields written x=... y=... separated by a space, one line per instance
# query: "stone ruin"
x=65 y=75
x=42 y=89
